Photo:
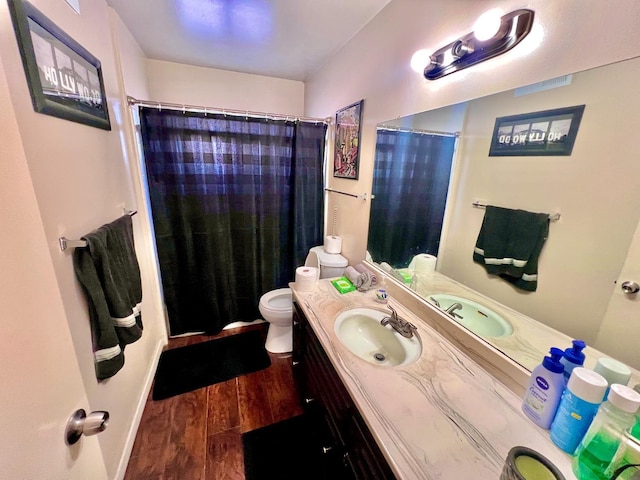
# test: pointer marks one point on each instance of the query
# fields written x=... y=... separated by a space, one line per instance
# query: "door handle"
x=80 y=423
x=629 y=287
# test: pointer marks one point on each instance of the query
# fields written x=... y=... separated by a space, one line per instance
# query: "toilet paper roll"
x=306 y=278
x=333 y=244
x=423 y=263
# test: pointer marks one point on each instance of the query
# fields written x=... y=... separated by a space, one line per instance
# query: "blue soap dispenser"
x=573 y=357
x=543 y=394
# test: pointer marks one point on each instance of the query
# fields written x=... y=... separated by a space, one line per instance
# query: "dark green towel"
x=107 y=269
x=509 y=244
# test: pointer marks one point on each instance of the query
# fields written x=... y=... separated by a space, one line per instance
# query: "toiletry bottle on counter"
x=573 y=357
x=613 y=371
x=626 y=462
x=545 y=388
x=600 y=443
x=579 y=404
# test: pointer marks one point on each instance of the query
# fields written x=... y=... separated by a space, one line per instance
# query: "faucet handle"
x=394 y=314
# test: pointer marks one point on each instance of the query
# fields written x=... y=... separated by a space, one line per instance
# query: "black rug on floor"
x=291 y=450
x=184 y=369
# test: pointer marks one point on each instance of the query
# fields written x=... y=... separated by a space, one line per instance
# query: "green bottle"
x=600 y=443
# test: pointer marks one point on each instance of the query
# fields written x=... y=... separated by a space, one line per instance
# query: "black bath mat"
x=184 y=369
x=291 y=450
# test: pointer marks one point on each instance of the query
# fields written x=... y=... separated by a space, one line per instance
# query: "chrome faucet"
x=400 y=325
x=452 y=310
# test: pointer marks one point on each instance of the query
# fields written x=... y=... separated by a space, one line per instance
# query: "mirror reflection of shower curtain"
x=410 y=184
x=236 y=204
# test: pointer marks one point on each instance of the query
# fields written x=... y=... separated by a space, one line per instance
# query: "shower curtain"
x=236 y=204
x=410 y=183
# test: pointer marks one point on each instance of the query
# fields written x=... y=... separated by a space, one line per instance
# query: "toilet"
x=276 y=306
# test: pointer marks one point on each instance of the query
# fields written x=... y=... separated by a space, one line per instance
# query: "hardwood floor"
x=198 y=435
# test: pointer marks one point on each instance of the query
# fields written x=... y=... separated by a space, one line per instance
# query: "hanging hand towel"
x=108 y=271
x=509 y=244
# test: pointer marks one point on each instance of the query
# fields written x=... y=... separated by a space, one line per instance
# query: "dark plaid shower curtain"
x=410 y=183
x=236 y=204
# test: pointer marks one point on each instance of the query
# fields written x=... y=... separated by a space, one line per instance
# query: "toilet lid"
x=312 y=260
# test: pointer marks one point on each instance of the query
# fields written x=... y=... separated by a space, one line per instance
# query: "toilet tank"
x=331 y=264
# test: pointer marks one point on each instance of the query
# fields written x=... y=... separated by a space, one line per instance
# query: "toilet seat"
x=277 y=300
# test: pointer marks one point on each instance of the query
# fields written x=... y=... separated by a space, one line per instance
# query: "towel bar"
x=552 y=217
x=363 y=196
x=66 y=243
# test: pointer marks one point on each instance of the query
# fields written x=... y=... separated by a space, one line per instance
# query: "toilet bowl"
x=276 y=306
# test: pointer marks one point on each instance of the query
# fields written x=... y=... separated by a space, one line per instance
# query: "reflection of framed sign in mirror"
x=64 y=79
x=550 y=132
x=347 y=144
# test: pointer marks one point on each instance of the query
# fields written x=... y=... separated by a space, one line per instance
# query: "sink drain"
x=379 y=357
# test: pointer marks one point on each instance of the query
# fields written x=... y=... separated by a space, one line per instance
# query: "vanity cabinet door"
x=323 y=394
x=365 y=457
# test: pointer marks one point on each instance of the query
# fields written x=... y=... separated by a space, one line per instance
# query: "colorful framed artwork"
x=64 y=79
x=549 y=132
x=346 y=155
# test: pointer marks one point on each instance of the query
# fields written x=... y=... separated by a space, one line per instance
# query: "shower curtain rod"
x=224 y=111
x=417 y=130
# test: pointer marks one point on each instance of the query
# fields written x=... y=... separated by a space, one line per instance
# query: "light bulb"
x=487 y=25
x=420 y=60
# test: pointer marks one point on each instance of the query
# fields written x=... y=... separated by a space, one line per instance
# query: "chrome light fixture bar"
x=468 y=50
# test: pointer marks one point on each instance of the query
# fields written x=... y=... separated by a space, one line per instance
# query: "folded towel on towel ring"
x=362 y=281
x=362 y=269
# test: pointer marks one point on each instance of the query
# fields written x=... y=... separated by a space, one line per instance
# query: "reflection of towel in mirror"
x=509 y=244
x=108 y=271
x=362 y=281
x=362 y=269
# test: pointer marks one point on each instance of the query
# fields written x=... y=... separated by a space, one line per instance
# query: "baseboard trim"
x=142 y=401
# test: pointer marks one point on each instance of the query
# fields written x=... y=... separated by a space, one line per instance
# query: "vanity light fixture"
x=488 y=40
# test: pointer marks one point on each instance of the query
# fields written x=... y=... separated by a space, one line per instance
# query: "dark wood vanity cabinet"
x=350 y=443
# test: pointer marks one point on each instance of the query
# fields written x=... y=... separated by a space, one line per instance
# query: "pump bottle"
x=573 y=357
x=544 y=391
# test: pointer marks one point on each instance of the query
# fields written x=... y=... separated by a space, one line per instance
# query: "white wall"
x=184 y=84
x=81 y=179
x=40 y=378
x=374 y=66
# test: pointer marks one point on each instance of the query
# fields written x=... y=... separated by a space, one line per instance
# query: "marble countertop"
x=442 y=417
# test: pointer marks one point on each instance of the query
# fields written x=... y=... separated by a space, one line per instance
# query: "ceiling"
x=278 y=38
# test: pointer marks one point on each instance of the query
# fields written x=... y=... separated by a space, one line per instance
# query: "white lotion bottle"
x=543 y=394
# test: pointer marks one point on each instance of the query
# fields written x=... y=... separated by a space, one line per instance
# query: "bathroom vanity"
x=324 y=396
x=441 y=416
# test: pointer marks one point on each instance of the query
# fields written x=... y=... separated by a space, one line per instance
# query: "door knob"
x=630 y=287
x=80 y=423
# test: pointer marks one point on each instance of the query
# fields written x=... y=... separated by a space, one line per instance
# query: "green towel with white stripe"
x=509 y=245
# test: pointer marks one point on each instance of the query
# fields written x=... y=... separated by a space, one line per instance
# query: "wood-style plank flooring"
x=197 y=435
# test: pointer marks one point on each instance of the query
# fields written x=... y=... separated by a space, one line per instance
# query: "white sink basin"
x=475 y=317
x=359 y=329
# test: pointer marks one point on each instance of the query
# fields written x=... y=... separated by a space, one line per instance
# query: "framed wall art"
x=549 y=132
x=346 y=155
x=64 y=79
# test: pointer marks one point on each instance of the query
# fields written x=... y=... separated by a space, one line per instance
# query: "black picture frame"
x=544 y=133
x=64 y=79
x=346 y=154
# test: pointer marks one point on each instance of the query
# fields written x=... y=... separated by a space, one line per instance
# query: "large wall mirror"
x=590 y=251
